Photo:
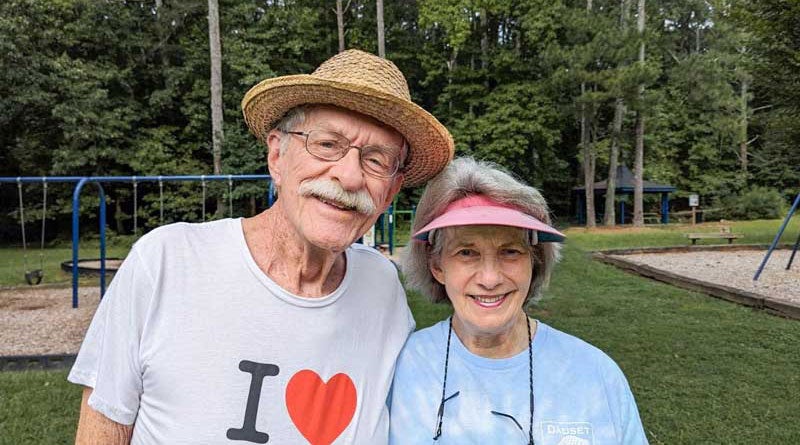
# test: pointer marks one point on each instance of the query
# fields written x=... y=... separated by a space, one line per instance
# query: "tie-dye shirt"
x=581 y=396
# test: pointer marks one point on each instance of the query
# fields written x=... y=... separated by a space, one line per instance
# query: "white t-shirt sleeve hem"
x=117 y=414
x=81 y=377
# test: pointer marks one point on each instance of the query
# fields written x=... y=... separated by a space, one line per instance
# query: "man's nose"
x=348 y=170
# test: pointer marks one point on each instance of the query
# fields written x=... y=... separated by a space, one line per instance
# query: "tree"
x=638 y=169
x=340 y=12
x=588 y=151
x=381 y=38
x=616 y=134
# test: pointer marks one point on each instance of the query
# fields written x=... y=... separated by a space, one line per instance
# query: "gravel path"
x=40 y=320
x=733 y=269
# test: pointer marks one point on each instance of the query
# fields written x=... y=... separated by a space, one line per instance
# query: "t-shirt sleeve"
x=413 y=404
x=629 y=425
x=109 y=359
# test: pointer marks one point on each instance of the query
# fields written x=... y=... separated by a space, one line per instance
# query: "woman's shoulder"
x=426 y=339
x=573 y=349
x=426 y=345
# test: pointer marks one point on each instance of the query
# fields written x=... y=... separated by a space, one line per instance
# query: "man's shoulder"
x=183 y=231
x=371 y=258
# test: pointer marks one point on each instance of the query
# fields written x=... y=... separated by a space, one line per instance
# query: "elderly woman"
x=490 y=374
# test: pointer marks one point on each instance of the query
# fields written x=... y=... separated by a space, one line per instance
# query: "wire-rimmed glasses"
x=382 y=162
x=440 y=419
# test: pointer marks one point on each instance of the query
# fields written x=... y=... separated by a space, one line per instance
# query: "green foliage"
x=101 y=88
x=756 y=203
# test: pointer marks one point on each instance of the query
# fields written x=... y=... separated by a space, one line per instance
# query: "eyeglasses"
x=440 y=418
x=440 y=412
x=383 y=162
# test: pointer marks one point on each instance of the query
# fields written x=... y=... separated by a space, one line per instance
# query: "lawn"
x=702 y=370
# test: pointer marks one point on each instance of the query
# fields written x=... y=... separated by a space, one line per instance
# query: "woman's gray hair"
x=464 y=177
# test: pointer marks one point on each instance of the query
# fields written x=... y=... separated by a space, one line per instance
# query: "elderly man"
x=273 y=328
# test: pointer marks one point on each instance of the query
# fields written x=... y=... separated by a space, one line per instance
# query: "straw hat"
x=364 y=83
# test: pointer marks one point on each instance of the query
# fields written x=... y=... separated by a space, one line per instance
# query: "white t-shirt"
x=196 y=345
x=581 y=396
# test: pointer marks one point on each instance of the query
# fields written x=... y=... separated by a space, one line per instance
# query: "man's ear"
x=274 y=156
x=397 y=183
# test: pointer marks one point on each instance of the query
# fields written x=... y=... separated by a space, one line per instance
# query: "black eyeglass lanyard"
x=440 y=413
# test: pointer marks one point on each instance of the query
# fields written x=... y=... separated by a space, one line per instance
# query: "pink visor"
x=478 y=210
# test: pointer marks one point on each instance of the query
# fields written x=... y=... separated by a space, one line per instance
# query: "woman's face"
x=486 y=271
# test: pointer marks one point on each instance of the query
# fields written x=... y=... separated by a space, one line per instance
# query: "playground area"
x=675 y=345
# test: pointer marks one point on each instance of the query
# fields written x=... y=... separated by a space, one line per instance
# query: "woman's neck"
x=504 y=344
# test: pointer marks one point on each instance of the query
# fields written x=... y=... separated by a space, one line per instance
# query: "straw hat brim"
x=431 y=146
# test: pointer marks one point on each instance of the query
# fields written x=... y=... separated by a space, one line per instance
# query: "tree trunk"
x=381 y=38
x=217 y=135
x=118 y=216
x=340 y=23
x=638 y=169
x=613 y=160
x=451 y=65
x=588 y=155
x=610 y=218
x=743 y=127
x=588 y=164
x=484 y=47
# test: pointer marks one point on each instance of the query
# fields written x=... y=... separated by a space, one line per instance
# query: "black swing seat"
x=34 y=277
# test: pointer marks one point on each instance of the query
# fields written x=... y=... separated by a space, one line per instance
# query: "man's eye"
x=376 y=160
x=327 y=144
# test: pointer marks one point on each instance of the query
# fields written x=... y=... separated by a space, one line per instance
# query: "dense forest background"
x=554 y=90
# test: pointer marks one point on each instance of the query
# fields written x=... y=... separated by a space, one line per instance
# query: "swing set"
x=35 y=276
x=777 y=238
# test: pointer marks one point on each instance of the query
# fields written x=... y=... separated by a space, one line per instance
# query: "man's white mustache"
x=330 y=190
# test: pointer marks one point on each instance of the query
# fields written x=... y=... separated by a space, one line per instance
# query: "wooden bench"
x=724 y=233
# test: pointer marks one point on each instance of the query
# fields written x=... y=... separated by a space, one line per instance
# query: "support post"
x=777 y=238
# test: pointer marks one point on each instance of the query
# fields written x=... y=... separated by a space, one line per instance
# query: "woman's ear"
x=435 y=266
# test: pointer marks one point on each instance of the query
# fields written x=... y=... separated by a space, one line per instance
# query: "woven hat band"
x=359 y=68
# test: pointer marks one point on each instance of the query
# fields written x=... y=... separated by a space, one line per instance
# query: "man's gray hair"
x=464 y=177
x=291 y=120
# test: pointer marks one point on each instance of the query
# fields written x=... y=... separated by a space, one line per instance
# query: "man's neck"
x=294 y=264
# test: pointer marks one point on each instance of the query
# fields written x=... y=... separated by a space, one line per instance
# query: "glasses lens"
x=379 y=161
x=327 y=145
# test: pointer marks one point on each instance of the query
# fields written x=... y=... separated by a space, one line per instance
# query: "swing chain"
x=230 y=196
x=22 y=225
x=203 y=182
x=160 y=201
x=135 y=207
x=44 y=219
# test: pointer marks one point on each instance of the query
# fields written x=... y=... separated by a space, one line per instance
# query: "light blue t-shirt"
x=581 y=395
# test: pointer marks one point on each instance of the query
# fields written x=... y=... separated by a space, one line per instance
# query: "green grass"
x=12 y=262
x=755 y=232
x=38 y=408
x=704 y=371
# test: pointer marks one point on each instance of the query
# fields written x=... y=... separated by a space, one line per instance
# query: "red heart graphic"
x=319 y=410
